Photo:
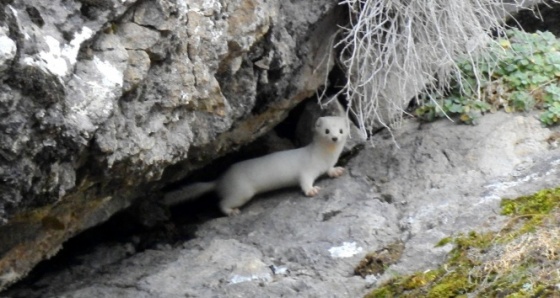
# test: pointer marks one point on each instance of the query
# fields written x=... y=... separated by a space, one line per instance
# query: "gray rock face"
x=99 y=99
x=7 y=51
x=442 y=179
x=448 y=178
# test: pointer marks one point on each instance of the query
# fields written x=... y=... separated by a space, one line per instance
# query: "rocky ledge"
x=436 y=180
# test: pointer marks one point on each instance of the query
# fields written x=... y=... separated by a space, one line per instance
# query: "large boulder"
x=99 y=98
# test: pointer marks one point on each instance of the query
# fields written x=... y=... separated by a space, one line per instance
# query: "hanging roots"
x=395 y=49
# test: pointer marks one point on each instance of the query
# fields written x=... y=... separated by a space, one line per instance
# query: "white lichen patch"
x=112 y=77
x=250 y=269
x=51 y=61
x=14 y=11
x=91 y=98
x=7 y=51
x=7 y=45
x=495 y=189
x=70 y=51
x=60 y=59
x=346 y=250
x=235 y=279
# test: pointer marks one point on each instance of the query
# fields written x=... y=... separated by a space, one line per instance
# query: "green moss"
x=407 y=286
x=452 y=285
x=541 y=202
x=473 y=240
x=419 y=280
x=464 y=244
x=529 y=210
x=468 y=270
x=382 y=292
x=444 y=241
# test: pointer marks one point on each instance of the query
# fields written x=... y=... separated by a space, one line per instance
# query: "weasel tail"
x=188 y=193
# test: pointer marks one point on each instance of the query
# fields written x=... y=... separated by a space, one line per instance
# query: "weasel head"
x=331 y=131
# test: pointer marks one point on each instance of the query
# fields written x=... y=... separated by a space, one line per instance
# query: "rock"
x=447 y=178
x=136 y=37
x=137 y=69
x=7 y=50
x=438 y=180
x=153 y=14
x=105 y=101
x=108 y=101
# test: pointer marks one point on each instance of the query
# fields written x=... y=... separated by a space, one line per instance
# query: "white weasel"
x=277 y=170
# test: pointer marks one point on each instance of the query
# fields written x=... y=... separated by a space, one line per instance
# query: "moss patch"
x=540 y=203
x=521 y=260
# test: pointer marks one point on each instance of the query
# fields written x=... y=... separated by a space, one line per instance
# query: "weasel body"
x=277 y=170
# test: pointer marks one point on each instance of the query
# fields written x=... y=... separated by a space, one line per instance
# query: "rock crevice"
x=100 y=98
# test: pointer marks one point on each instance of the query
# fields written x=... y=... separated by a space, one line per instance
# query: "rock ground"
x=439 y=179
x=104 y=101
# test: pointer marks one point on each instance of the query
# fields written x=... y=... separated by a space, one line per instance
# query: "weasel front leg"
x=230 y=211
x=306 y=183
x=335 y=172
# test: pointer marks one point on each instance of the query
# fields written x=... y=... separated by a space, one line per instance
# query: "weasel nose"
x=335 y=139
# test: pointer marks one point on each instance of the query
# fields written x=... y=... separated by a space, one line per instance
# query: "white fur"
x=277 y=170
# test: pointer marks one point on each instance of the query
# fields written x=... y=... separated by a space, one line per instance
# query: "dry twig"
x=395 y=49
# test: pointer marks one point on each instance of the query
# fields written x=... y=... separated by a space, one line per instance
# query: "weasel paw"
x=313 y=191
x=231 y=211
x=335 y=172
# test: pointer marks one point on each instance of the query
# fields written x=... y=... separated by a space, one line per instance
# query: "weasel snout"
x=335 y=139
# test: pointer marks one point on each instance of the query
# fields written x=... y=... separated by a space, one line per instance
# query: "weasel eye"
x=341 y=131
x=327 y=131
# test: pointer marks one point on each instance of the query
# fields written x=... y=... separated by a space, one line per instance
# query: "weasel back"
x=265 y=173
x=281 y=169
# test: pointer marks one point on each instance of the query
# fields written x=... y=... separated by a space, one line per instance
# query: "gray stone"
x=153 y=14
x=89 y=127
x=7 y=50
x=105 y=101
x=137 y=69
x=447 y=178
x=136 y=37
x=438 y=180
x=96 y=86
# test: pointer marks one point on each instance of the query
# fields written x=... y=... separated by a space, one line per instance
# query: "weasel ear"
x=319 y=122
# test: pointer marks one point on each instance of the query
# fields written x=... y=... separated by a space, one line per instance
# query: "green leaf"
x=539 y=79
x=537 y=59
x=511 y=68
x=515 y=72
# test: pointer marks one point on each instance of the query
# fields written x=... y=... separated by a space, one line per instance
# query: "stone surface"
x=104 y=101
x=137 y=69
x=7 y=50
x=441 y=179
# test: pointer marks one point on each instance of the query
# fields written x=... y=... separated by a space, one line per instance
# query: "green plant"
x=520 y=260
x=392 y=50
x=519 y=73
x=551 y=100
